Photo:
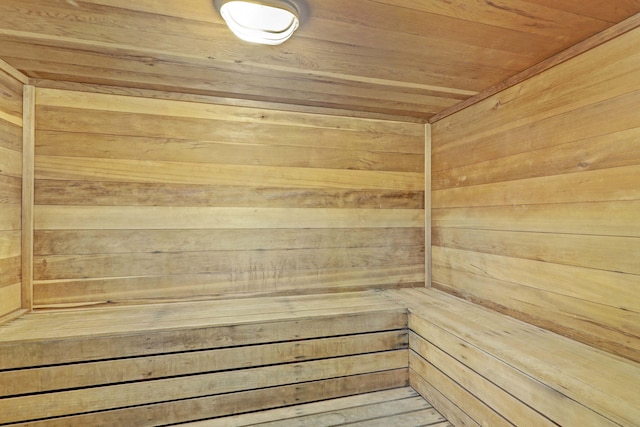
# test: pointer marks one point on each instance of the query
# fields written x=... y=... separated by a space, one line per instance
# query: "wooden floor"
x=402 y=407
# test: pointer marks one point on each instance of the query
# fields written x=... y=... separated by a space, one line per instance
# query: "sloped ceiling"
x=411 y=58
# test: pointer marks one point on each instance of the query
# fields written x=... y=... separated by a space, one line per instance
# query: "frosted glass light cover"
x=258 y=23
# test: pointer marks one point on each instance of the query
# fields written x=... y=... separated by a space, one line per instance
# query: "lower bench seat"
x=479 y=367
x=173 y=363
x=209 y=362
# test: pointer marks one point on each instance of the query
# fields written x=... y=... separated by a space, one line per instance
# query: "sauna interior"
x=411 y=213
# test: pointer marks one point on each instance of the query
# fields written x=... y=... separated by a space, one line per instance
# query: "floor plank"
x=401 y=406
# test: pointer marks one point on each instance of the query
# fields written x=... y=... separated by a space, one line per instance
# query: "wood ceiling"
x=411 y=58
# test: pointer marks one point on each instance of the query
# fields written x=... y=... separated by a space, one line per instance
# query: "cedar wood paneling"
x=150 y=199
x=10 y=193
x=536 y=199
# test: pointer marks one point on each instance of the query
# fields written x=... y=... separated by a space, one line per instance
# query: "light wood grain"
x=101 y=193
x=528 y=362
x=588 y=154
x=607 y=259
x=631 y=22
x=44 y=379
x=178 y=168
x=28 y=158
x=288 y=413
x=427 y=206
x=10 y=298
x=597 y=218
x=150 y=171
x=129 y=217
x=155 y=289
x=445 y=406
x=10 y=242
x=69 y=242
x=591 y=186
x=371 y=57
x=11 y=175
x=394 y=406
x=232 y=403
x=507 y=406
x=10 y=162
x=550 y=165
x=10 y=217
x=52 y=143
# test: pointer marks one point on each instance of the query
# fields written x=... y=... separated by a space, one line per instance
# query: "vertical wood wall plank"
x=28 y=155
x=427 y=206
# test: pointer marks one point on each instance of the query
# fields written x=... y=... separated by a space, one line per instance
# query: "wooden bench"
x=179 y=362
x=211 y=360
x=479 y=367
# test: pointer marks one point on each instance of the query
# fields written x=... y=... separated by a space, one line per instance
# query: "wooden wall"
x=536 y=199
x=141 y=199
x=10 y=193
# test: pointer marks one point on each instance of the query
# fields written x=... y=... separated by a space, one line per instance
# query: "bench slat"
x=51 y=378
x=180 y=411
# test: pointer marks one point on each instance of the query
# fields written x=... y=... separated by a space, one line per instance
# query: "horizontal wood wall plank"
x=66 y=242
x=597 y=218
x=577 y=156
x=224 y=285
x=150 y=171
x=120 y=265
x=590 y=252
x=593 y=186
x=10 y=136
x=9 y=243
x=220 y=100
x=10 y=189
x=588 y=311
x=10 y=162
x=10 y=217
x=10 y=272
x=101 y=193
x=148 y=217
x=10 y=297
x=573 y=125
x=197 y=129
x=230 y=113
x=184 y=150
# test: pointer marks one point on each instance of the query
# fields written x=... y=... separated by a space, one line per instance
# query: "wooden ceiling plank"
x=517 y=15
x=153 y=35
x=612 y=12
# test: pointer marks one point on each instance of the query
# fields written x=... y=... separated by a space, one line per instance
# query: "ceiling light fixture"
x=269 y=22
